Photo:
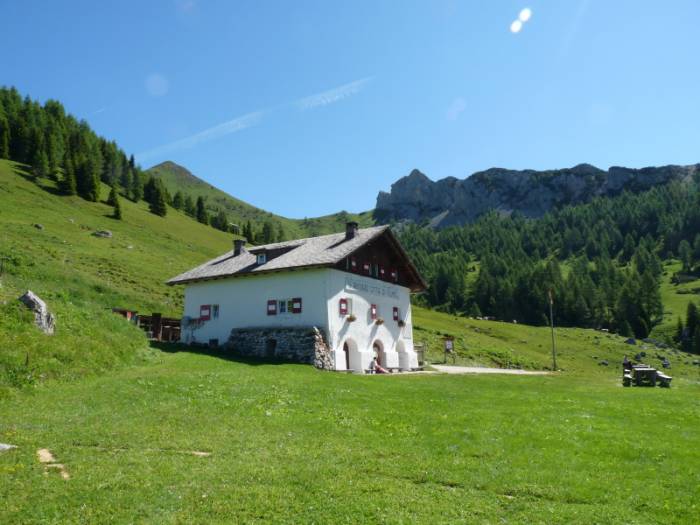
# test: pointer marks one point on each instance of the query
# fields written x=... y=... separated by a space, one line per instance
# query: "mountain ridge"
x=178 y=178
x=452 y=201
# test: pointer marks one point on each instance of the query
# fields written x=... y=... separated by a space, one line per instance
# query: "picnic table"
x=645 y=375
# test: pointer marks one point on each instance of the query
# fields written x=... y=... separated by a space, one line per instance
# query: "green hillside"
x=177 y=178
x=82 y=277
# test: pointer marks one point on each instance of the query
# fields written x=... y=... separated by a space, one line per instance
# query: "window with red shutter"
x=382 y=272
x=205 y=312
x=343 y=306
x=353 y=264
x=367 y=267
x=394 y=275
x=396 y=313
x=373 y=312
x=296 y=305
x=272 y=307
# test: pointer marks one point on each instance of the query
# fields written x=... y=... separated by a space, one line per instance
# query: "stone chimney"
x=238 y=247
x=351 y=230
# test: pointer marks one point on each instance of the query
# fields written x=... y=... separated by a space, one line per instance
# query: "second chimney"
x=238 y=247
x=351 y=230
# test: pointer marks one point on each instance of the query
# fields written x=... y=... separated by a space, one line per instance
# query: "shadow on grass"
x=220 y=353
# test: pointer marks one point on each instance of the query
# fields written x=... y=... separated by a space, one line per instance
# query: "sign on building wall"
x=378 y=289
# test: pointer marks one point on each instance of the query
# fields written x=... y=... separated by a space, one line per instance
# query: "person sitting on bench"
x=376 y=368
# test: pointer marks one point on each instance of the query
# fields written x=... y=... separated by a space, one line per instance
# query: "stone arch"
x=353 y=357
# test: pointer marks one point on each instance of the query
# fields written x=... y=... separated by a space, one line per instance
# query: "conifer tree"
x=178 y=201
x=67 y=184
x=678 y=335
x=189 y=206
x=158 y=205
x=268 y=233
x=112 y=199
x=202 y=215
x=136 y=186
x=117 y=214
x=4 y=136
x=692 y=318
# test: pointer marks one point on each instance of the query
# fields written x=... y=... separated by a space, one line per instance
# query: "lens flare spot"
x=516 y=26
x=525 y=14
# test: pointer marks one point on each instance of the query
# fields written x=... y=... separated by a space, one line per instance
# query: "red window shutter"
x=205 y=312
x=396 y=313
x=296 y=305
x=367 y=267
x=373 y=311
x=272 y=307
x=343 y=307
x=382 y=272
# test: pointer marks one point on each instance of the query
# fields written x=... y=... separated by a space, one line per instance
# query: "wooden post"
x=156 y=326
x=551 y=321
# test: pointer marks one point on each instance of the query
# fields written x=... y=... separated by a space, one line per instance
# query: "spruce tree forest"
x=601 y=262
x=58 y=146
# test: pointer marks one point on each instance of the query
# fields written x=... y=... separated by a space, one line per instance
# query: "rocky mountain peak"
x=532 y=193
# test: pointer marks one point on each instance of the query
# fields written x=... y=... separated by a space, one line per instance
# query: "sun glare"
x=525 y=14
x=516 y=26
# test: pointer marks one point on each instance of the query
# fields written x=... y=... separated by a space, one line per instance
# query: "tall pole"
x=551 y=321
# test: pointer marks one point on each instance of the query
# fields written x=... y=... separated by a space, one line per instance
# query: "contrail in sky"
x=252 y=119
x=332 y=95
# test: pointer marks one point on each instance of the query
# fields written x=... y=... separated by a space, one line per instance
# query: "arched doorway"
x=353 y=357
x=378 y=352
x=346 y=351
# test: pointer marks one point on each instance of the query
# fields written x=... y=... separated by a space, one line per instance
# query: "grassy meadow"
x=162 y=434
x=289 y=444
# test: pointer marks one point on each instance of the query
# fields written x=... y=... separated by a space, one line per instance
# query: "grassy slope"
x=176 y=178
x=82 y=276
x=579 y=351
x=675 y=298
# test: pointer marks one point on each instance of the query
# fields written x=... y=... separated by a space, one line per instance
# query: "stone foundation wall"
x=299 y=345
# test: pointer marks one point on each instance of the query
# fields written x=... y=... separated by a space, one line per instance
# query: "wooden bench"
x=627 y=379
x=664 y=380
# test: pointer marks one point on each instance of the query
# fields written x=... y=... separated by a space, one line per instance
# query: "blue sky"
x=308 y=107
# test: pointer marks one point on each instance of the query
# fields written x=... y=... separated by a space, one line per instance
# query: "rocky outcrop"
x=532 y=193
x=44 y=319
x=299 y=345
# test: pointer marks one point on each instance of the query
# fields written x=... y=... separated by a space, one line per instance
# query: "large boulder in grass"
x=44 y=319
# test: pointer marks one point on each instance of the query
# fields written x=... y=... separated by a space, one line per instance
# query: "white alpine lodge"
x=353 y=288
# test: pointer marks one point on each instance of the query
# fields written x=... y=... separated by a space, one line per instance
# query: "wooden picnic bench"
x=664 y=380
x=645 y=375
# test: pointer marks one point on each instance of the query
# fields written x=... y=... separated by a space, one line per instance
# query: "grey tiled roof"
x=325 y=250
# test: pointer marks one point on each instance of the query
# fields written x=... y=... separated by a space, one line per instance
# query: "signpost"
x=449 y=347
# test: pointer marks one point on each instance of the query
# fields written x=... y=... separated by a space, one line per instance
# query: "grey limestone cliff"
x=532 y=193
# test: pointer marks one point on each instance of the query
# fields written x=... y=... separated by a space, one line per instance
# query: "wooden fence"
x=157 y=327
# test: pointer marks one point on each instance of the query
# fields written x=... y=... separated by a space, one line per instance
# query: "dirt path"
x=483 y=370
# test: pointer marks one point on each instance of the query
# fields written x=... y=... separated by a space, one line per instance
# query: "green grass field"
x=290 y=444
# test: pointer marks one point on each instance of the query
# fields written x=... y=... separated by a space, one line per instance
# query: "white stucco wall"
x=396 y=341
x=243 y=304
